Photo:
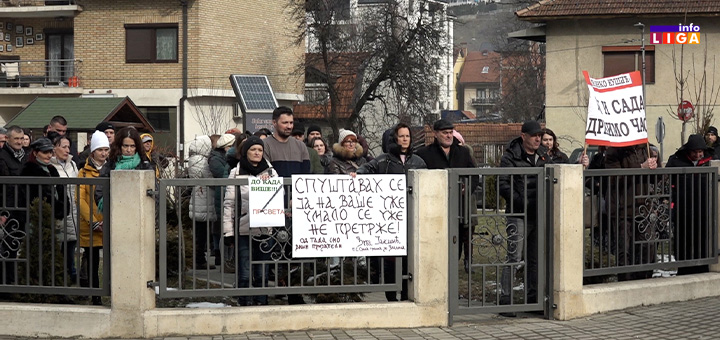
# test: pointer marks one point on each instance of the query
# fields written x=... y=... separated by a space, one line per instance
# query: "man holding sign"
x=616 y=119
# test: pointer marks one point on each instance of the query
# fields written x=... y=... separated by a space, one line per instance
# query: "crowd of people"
x=292 y=149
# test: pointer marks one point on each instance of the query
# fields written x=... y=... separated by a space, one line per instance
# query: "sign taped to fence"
x=266 y=205
x=616 y=110
x=334 y=215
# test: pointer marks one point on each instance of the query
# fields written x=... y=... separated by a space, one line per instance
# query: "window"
x=159 y=117
x=486 y=69
x=623 y=59
x=157 y=43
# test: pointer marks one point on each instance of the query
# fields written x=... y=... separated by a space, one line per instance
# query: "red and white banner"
x=616 y=110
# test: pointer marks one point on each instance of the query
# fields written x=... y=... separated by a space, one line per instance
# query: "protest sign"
x=344 y=216
x=266 y=205
x=616 y=110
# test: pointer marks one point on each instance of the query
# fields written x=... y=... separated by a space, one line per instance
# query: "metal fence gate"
x=498 y=258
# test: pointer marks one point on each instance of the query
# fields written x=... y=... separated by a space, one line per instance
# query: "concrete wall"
x=133 y=313
x=576 y=45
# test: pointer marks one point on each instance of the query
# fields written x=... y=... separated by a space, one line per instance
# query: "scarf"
x=253 y=170
x=128 y=162
x=19 y=154
x=43 y=166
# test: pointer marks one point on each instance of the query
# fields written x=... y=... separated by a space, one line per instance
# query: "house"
x=479 y=84
x=606 y=38
x=136 y=49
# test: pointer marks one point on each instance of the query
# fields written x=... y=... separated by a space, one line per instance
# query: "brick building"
x=134 y=48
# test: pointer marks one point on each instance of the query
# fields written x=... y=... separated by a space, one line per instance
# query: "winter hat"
x=298 y=130
x=225 y=140
x=443 y=124
x=458 y=136
x=248 y=143
x=713 y=130
x=42 y=144
x=345 y=134
x=104 y=126
x=313 y=128
x=99 y=140
x=695 y=142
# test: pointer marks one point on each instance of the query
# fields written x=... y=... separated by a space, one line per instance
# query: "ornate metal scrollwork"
x=494 y=244
x=11 y=236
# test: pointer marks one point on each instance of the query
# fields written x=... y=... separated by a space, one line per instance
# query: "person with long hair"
x=321 y=146
x=549 y=140
x=126 y=152
x=66 y=167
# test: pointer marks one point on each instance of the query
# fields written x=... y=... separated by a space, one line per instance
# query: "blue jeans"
x=258 y=280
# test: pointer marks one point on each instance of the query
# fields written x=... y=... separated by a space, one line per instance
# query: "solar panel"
x=254 y=93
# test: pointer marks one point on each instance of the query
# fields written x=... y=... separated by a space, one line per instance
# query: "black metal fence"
x=51 y=241
x=254 y=266
x=640 y=220
x=497 y=223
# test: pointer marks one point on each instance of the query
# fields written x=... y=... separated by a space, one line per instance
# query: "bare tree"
x=211 y=110
x=394 y=44
x=523 y=71
x=692 y=84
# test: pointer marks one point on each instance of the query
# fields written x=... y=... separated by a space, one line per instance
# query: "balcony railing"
x=40 y=73
x=21 y=3
x=483 y=101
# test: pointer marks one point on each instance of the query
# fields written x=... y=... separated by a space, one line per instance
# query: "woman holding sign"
x=251 y=165
x=398 y=160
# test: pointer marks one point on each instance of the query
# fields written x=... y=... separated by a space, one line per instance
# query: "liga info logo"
x=680 y=34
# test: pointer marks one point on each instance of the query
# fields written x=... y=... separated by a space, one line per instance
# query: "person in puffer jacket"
x=66 y=167
x=202 y=200
x=252 y=164
x=398 y=159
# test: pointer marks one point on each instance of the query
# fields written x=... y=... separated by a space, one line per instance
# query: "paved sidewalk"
x=697 y=319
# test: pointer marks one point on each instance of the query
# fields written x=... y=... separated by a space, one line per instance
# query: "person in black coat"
x=38 y=165
x=446 y=152
x=691 y=213
x=711 y=137
x=397 y=160
x=518 y=190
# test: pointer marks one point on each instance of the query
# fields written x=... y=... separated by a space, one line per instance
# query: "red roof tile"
x=475 y=62
x=565 y=9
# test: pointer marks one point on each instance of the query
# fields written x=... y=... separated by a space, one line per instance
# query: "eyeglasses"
x=129 y=146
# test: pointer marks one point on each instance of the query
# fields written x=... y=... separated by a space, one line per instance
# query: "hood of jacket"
x=345 y=154
x=200 y=146
x=152 y=144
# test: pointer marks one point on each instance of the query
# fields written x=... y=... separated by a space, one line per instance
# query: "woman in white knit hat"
x=91 y=219
x=347 y=154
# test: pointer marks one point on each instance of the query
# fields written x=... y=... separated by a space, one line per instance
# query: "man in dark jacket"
x=446 y=152
x=12 y=158
x=711 y=137
x=522 y=152
x=690 y=212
